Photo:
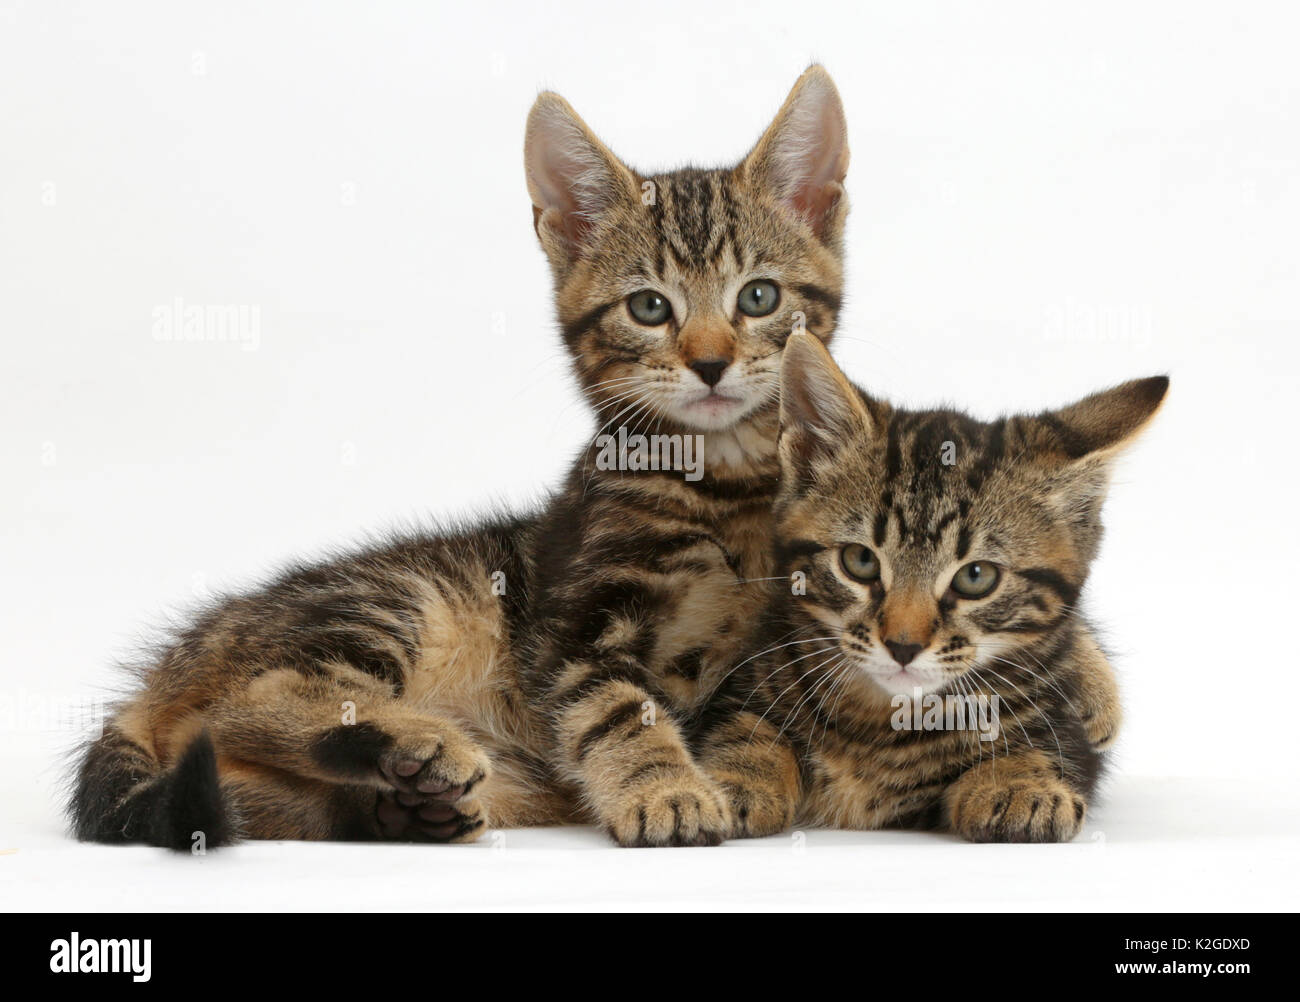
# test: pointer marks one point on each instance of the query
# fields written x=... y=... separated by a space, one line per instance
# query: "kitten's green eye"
x=976 y=579
x=758 y=298
x=649 y=308
x=859 y=563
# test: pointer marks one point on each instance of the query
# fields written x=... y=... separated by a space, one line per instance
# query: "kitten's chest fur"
x=866 y=774
x=705 y=630
x=709 y=580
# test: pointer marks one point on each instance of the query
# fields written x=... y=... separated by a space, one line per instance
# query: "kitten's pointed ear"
x=803 y=156
x=572 y=177
x=820 y=409
x=1099 y=426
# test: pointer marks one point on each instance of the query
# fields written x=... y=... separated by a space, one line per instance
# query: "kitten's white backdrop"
x=1045 y=201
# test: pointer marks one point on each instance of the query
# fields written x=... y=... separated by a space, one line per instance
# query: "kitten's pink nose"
x=710 y=370
x=904 y=654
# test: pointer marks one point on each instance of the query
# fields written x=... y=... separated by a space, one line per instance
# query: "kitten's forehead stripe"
x=687 y=224
x=728 y=238
x=936 y=533
x=893 y=452
x=934 y=463
x=695 y=217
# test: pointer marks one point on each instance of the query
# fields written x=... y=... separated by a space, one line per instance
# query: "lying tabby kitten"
x=930 y=554
x=531 y=670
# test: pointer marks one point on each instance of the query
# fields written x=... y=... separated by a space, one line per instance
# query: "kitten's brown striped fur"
x=806 y=731
x=398 y=693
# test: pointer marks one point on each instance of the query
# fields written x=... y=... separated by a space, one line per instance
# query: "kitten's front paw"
x=440 y=764
x=1023 y=810
x=678 y=809
x=415 y=817
x=1097 y=702
x=756 y=812
x=1102 y=727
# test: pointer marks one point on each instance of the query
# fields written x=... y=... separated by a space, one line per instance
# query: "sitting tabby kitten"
x=931 y=555
x=540 y=669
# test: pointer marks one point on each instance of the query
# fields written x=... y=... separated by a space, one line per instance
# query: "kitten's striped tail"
x=123 y=794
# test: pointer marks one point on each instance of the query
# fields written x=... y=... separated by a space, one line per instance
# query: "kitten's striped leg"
x=632 y=762
x=343 y=730
x=756 y=768
x=1098 y=693
x=1015 y=798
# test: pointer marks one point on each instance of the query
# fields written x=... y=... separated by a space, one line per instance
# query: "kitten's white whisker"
x=769 y=675
x=993 y=691
x=830 y=675
x=1047 y=720
x=842 y=685
x=802 y=640
x=772 y=705
x=1042 y=678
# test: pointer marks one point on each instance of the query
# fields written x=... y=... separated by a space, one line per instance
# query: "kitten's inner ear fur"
x=572 y=177
x=803 y=156
x=820 y=409
x=1099 y=426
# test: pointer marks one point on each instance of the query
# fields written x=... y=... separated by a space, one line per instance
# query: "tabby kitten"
x=538 y=669
x=923 y=662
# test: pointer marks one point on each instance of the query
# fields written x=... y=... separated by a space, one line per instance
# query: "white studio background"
x=1046 y=200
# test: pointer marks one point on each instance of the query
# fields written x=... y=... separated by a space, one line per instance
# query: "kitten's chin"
x=905 y=681
x=713 y=412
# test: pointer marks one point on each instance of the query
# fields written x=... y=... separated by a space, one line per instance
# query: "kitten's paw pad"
x=1042 y=811
x=439 y=767
x=676 y=810
x=406 y=817
x=756 y=813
